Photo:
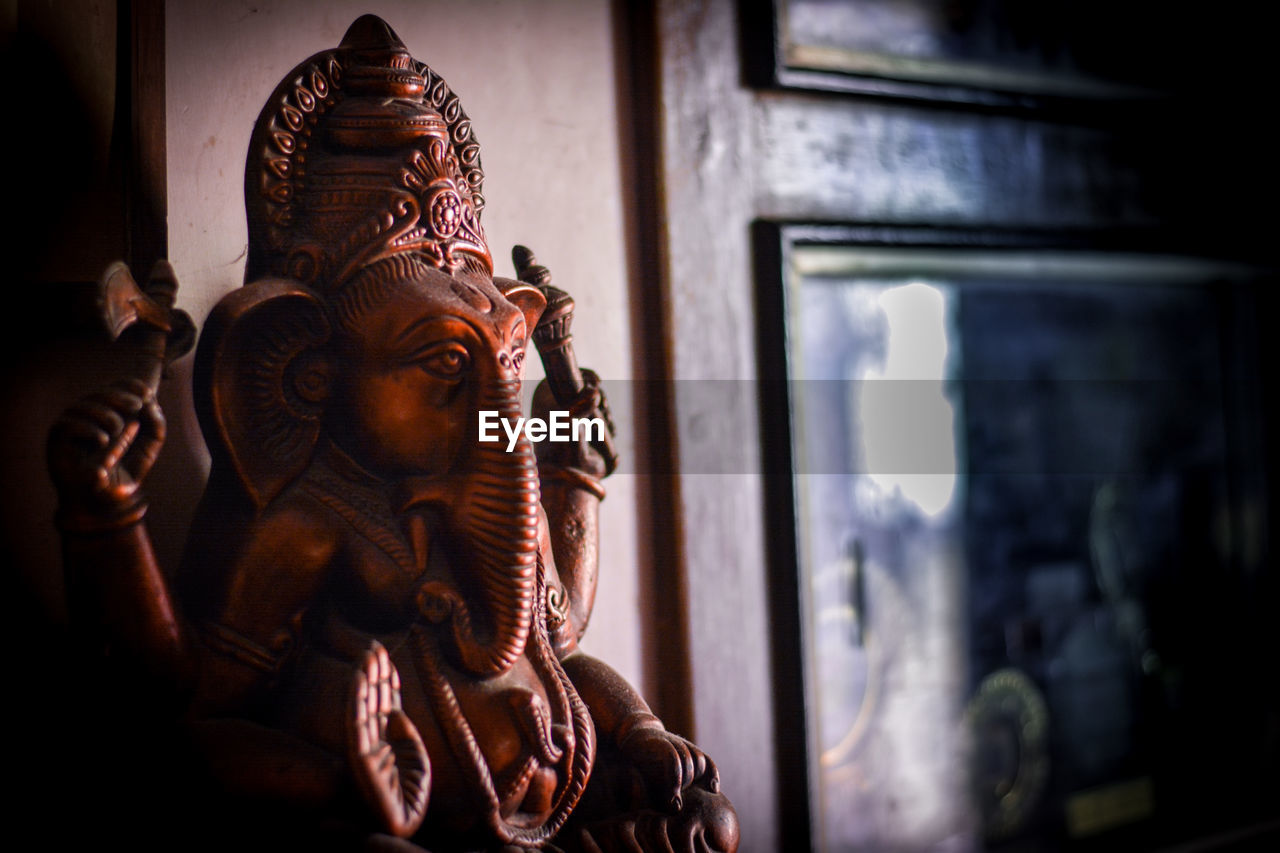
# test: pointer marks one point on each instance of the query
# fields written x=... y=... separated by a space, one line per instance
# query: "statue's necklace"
x=463 y=743
x=365 y=508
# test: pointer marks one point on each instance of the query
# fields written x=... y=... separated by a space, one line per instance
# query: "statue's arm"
x=249 y=604
x=570 y=472
x=663 y=790
x=235 y=635
x=572 y=509
x=571 y=475
x=669 y=763
x=336 y=717
x=99 y=453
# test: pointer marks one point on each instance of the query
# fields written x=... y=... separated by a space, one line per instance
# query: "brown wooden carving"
x=374 y=632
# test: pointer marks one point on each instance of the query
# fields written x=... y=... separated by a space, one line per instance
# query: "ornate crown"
x=361 y=153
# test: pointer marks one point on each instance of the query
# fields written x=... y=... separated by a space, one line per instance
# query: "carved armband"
x=575 y=477
x=635 y=721
x=88 y=522
x=238 y=647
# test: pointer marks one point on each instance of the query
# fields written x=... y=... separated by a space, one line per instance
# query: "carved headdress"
x=362 y=153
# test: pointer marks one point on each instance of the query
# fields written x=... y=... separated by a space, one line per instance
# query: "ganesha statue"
x=372 y=640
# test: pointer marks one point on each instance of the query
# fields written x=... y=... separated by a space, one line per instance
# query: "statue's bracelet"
x=573 y=477
x=108 y=519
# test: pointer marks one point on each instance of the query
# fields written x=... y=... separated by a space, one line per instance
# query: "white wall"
x=537 y=80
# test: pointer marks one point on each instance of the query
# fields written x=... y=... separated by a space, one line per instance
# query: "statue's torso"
x=510 y=743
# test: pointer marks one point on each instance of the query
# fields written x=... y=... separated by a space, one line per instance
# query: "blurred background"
x=937 y=335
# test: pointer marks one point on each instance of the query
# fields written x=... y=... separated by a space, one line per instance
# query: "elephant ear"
x=252 y=416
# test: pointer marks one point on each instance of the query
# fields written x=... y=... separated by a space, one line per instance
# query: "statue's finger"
x=652 y=827
x=371 y=722
x=687 y=774
x=385 y=760
x=586 y=403
x=369 y=667
x=364 y=737
x=384 y=683
x=121 y=399
x=100 y=414
x=411 y=760
x=674 y=768
x=150 y=440
x=413 y=791
x=699 y=763
x=153 y=422
x=136 y=387
x=711 y=776
x=662 y=770
x=627 y=835
x=75 y=429
x=395 y=688
x=371 y=732
x=684 y=836
x=120 y=445
x=402 y=732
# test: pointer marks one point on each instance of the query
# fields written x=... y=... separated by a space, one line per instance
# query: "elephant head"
x=392 y=369
x=384 y=333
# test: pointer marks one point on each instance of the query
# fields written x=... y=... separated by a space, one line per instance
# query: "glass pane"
x=880 y=546
x=1013 y=488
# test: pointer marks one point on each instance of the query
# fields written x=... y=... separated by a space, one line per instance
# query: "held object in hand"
x=554 y=341
x=163 y=332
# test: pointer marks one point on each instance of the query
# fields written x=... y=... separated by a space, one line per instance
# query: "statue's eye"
x=448 y=361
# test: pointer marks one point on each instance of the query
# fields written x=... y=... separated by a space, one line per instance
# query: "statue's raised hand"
x=385 y=751
x=102 y=448
x=566 y=384
x=589 y=404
